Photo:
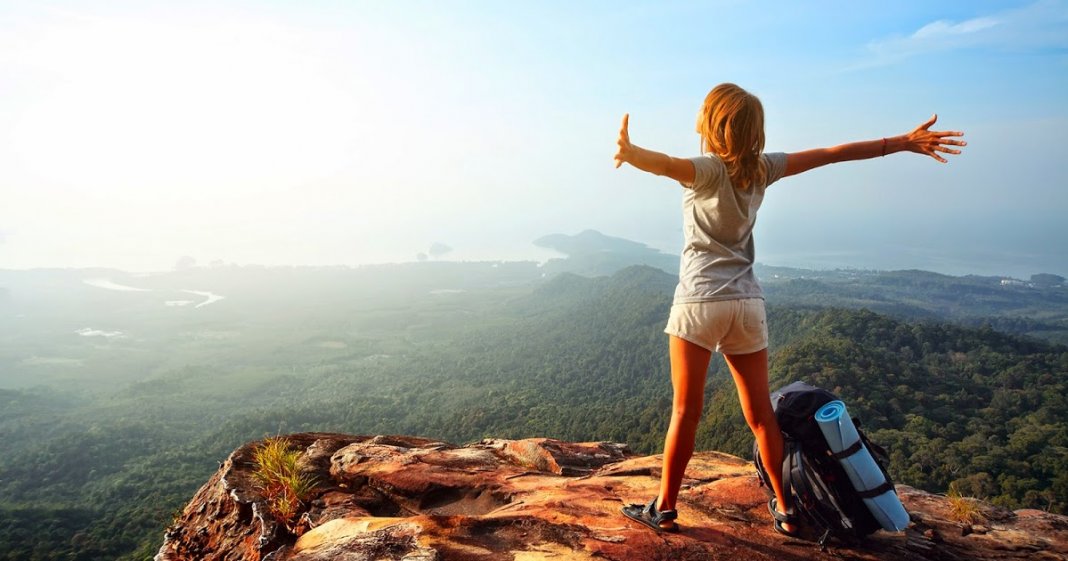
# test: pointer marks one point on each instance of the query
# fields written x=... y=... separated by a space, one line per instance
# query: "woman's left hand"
x=924 y=141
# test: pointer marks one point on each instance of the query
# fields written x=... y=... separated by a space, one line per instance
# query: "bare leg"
x=750 y=372
x=689 y=366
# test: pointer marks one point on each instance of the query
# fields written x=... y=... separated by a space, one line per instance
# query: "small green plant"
x=963 y=509
x=176 y=515
x=283 y=485
x=531 y=456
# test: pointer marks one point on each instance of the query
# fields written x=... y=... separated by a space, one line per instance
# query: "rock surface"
x=412 y=499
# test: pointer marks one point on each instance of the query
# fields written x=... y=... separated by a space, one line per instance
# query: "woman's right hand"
x=924 y=141
x=624 y=148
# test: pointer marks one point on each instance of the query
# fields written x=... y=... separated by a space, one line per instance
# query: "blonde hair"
x=731 y=125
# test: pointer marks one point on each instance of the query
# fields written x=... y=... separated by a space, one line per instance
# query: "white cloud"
x=1041 y=25
x=942 y=28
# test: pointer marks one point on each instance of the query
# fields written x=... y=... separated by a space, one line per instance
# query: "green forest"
x=106 y=436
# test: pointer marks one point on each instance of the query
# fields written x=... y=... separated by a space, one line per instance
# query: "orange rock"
x=398 y=497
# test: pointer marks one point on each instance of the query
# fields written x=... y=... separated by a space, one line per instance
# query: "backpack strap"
x=809 y=484
x=789 y=451
x=872 y=493
x=880 y=454
x=856 y=447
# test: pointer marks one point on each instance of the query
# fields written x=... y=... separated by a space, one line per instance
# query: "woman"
x=718 y=304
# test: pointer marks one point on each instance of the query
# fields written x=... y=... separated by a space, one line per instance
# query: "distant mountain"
x=591 y=253
x=591 y=241
x=1036 y=309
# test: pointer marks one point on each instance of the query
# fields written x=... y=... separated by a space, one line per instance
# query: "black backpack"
x=813 y=479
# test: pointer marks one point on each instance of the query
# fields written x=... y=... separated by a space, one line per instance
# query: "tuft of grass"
x=963 y=509
x=284 y=487
x=531 y=456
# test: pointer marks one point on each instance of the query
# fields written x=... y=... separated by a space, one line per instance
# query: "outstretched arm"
x=920 y=140
x=678 y=169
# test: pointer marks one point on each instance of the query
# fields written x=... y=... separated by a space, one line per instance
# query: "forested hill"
x=1038 y=308
x=95 y=476
x=973 y=408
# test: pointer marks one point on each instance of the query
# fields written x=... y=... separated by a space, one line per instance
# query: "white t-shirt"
x=718 y=220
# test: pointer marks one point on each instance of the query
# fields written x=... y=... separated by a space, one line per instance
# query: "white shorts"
x=733 y=327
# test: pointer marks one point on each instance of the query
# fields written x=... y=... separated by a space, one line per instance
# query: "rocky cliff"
x=406 y=498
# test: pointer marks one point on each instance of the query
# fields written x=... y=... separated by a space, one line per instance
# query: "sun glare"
x=136 y=106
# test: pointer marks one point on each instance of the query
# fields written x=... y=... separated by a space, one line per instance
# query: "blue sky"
x=134 y=133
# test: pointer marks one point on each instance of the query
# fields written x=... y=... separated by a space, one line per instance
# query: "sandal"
x=780 y=518
x=648 y=515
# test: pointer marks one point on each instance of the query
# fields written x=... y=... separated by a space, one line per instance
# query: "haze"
x=320 y=133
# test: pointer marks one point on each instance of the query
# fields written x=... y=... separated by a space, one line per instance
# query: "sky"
x=133 y=134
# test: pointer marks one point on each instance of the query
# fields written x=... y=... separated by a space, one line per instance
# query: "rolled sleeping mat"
x=864 y=473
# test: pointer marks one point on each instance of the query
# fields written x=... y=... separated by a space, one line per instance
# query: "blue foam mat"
x=863 y=472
